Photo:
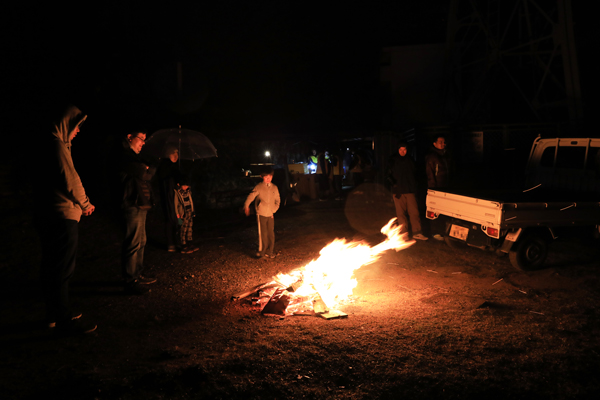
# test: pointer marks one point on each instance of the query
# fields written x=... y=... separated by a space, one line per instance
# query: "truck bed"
x=509 y=209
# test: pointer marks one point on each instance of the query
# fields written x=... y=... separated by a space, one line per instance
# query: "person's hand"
x=247 y=211
x=88 y=211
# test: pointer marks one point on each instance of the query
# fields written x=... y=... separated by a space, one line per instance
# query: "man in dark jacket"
x=60 y=202
x=404 y=186
x=437 y=167
x=137 y=199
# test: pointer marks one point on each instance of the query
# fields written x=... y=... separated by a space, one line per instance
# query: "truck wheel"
x=529 y=253
x=453 y=243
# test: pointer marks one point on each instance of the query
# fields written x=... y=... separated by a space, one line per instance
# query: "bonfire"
x=324 y=284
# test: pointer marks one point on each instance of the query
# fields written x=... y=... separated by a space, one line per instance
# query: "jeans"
x=59 y=238
x=132 y=252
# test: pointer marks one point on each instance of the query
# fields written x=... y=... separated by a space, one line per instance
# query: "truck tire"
x=529 y=253
x=453 y=243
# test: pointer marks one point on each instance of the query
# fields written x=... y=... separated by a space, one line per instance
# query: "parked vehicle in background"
x=562 y=190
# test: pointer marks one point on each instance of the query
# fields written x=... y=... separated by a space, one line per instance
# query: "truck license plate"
x=459 y=232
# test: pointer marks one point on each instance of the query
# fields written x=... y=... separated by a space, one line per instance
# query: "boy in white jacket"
x=266 y=198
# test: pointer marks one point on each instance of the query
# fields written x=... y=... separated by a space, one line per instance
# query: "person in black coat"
x=402 y=174
x=169 y=177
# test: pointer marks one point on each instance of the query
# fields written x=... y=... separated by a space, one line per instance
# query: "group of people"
x=402 y=174
x=329 y=169
x=61 y=200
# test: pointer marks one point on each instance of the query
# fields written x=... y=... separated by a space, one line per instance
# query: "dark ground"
x=426 y=322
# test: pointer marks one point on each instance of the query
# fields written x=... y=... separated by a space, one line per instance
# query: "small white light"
x=267 y=154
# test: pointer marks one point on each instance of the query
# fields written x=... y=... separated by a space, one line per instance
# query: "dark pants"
x=59 y=239
x=132 y=252
x=171 y=230
x=337 y=185
x=407 y=204
x=266 y=231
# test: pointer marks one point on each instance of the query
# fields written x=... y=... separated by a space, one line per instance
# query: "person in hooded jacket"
x=135 y=176
x=402 y=174
x=60 y=201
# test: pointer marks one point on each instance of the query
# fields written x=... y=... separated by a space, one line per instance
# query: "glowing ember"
x=331 y=276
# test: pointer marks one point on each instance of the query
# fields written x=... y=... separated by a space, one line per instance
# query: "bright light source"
x=267 y=154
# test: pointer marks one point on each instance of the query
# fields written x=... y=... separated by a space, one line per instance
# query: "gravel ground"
x=425 y=322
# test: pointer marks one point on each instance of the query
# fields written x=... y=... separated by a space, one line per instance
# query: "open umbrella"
x=192 y=145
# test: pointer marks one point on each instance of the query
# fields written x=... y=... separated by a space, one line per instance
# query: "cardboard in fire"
x=277 y=303
x=319 y=306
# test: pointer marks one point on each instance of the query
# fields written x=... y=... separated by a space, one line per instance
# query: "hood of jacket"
x=71 y=119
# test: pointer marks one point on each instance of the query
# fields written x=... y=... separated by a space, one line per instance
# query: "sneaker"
x=74 y=327
x=171 y=249
x=143 y=280
x=192 y=249
x=270 y=255
x=184 y=250
x=52 y=324
x=420 y=236
x=258 y=255
x=135 y=289
x=439 y=237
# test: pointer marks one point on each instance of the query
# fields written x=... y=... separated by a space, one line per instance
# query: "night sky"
x=261 y=66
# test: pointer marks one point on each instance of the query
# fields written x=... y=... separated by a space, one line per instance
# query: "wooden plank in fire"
x=332 y=314
x=266 y=285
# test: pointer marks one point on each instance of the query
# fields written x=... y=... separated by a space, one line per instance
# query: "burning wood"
x=328 y=281
x=277 y=303
x=254 y=290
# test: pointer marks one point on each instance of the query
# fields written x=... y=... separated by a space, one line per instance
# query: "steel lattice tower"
x=511 y=61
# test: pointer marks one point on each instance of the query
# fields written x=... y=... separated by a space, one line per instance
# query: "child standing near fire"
x=266 y=199
x=184 y=208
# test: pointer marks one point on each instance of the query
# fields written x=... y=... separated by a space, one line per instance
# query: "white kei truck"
x=562 y=190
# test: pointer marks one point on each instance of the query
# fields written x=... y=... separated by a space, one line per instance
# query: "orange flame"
x=331 y=276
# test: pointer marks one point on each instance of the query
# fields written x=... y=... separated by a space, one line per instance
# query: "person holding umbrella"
x=137 y=199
